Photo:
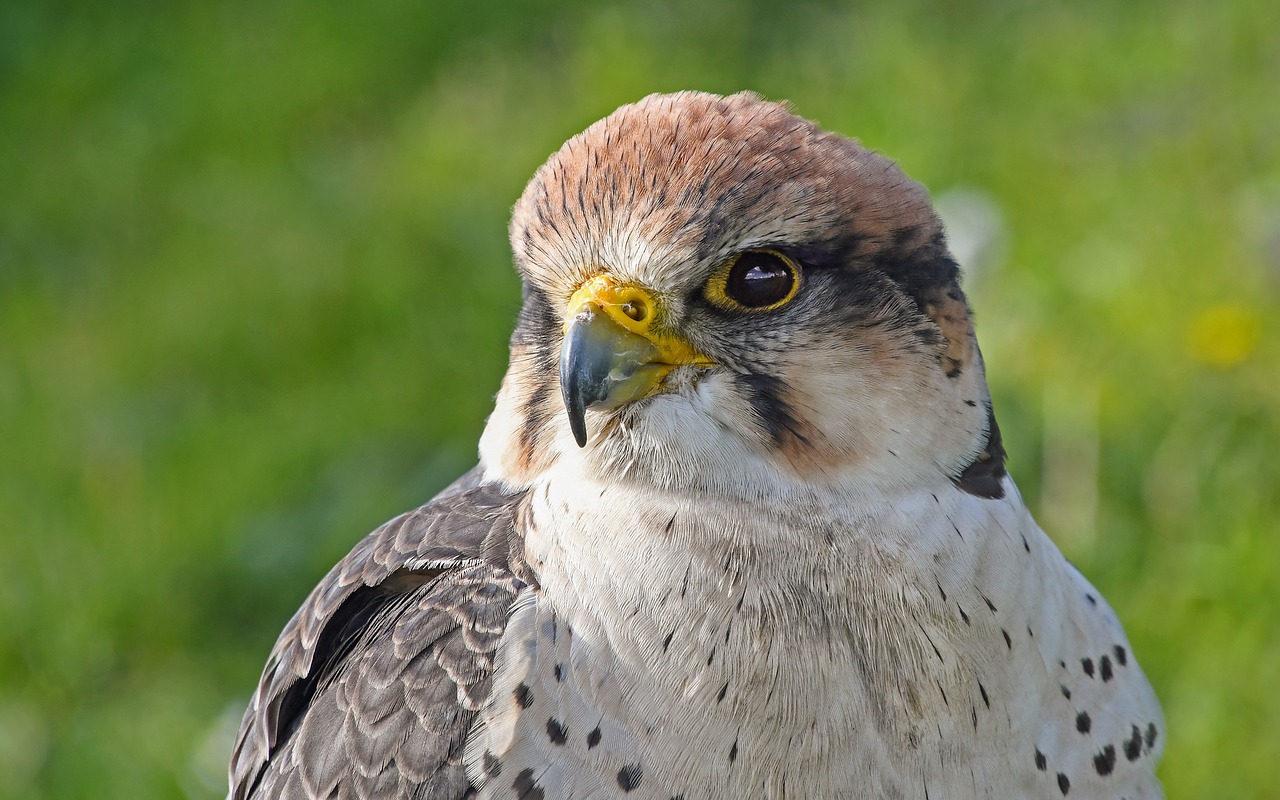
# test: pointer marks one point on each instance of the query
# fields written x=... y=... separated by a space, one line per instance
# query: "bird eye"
x=759 y=279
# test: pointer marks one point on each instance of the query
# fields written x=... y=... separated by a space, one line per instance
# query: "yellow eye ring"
x=757 y=280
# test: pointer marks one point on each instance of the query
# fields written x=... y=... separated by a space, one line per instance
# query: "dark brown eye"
x=760 y=279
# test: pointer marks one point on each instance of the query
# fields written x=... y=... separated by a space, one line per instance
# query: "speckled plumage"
x=798 y=570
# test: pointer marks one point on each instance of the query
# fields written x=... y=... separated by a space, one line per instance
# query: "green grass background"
x=255 y=294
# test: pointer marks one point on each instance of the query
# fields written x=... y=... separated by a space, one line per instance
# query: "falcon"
x=740 y=528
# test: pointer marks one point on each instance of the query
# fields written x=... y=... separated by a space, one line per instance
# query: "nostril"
x=636 y=310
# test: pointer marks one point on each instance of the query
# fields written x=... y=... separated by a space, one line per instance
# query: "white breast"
x=710 y=649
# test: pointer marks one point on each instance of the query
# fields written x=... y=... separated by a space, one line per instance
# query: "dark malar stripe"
x=765 y=395
x=535 y=337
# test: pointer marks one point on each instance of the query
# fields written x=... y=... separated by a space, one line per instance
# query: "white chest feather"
x=683 y=647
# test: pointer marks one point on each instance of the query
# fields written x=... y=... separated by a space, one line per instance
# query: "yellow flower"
x=1223 y=335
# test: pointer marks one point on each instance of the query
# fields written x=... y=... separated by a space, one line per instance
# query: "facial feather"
x=842 y=385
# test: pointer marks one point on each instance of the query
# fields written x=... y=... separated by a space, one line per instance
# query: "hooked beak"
x=612 y=353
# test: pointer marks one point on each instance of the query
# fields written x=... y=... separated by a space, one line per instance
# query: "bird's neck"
x=705 y=602
x=835 y=567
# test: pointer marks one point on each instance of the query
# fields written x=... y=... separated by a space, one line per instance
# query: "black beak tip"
x=574 y=402
x=579 y=427
x=577 y=419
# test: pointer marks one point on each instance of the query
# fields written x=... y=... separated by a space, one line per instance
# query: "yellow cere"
x=631 y=307
x=635 y=310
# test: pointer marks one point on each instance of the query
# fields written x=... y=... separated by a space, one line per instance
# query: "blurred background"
x=255 y=294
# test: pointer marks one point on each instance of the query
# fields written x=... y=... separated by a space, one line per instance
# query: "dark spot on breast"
x=990 y=605
x=1083 y=723
x=556 y=731
x=1122 y=657
x=559 y=671
x=1133 y=747
x=944 y=594
x=1105 y=761
x=963 y=615
x=1025 y=544
x=1087 y=663
x=593 y=738
x=1093 y=601
x=629 y=777
x=667 y=641
x=1041 y=761
x=936 y=651
x=1151 y=735
x=733 y=752
x=1104 y=668
x=1064 y=783
x=523 y=695
x=493 y=764
x=1008 y=642
x=525 y=787
x=711 y=656
x=983 y=690
x=723 y=689
x=1065 y=691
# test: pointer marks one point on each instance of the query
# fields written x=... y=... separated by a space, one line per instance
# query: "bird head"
x=720 y=296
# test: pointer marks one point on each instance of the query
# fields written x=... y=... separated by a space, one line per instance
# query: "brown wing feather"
x=373 y=685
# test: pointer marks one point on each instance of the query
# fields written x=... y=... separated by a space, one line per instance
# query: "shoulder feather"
x=376 y=678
